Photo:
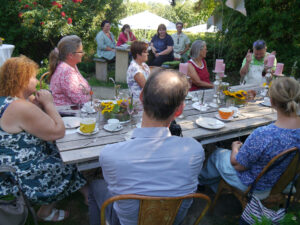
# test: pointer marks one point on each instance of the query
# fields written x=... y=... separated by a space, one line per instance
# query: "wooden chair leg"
x=219 y=192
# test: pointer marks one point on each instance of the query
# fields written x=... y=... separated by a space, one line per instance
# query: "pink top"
x=202 y=73
x=123 y=38
x=67 y=85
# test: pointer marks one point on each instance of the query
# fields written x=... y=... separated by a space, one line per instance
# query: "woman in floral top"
x=138 y=71
x=241 y=166
x=68 y=86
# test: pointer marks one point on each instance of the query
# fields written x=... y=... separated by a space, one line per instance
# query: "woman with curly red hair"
x=28 y=124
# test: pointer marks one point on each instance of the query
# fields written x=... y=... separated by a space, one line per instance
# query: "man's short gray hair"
x=196 y=47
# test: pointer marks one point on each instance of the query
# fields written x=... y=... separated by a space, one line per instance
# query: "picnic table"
x=84 y=151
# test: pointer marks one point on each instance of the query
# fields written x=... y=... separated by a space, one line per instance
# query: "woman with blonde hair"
x=68 y=86
x=241 y=166
x=161 y=47
x=28 y=124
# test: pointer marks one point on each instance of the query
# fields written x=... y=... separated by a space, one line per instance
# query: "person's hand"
x=44 y=97
x=153 y=50
x=236 y=145
x=248 y=56
x=156 y=54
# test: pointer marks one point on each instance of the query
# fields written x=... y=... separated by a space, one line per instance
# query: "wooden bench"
x=101 y=69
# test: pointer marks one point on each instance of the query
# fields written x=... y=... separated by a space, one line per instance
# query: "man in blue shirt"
x=152 y=162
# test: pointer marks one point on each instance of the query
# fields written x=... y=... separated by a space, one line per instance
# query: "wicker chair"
x=157 y=210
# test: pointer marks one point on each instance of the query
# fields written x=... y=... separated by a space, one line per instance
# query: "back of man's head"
x=163 y=93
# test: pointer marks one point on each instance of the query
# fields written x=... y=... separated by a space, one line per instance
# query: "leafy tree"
x=38 y=25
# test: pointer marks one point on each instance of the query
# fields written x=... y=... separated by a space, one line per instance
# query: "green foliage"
x=183 y=11
x=35 y=27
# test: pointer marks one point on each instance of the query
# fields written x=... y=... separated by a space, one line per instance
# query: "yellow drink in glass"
x=87 y=125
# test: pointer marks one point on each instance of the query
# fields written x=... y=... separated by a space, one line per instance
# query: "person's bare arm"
x=245 y=68
x=165 y=52
x=195 y=78
x=22 y=115
x=140 y=79
x=187 y=47
x=235 y=149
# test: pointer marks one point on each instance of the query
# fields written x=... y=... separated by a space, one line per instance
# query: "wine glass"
x=130 y=109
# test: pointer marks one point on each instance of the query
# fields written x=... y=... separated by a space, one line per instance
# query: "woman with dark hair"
x=106 y=42
x=126 y=35
x=241 y=166
x=68 y=86
x=161 y=47
x=138 y=71
x=28 y=125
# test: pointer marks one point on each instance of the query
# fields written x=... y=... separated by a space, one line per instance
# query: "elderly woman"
x=138 y=71
x=68 y=86
x=197 y=68
x=126 y=35
x=161 y=47
x=106 y=42
x=241 y=166
x=27 y=123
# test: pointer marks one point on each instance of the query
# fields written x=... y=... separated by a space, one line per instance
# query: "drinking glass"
x=130 y=109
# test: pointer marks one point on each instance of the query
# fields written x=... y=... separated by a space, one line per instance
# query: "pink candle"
x=223 y=70
x=279 y=68
x=271 y=59
x=219 y=65
x=183 y=68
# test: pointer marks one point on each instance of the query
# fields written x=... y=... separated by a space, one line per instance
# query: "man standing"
x=152 y=162
x=181 y=44
x=253 y=66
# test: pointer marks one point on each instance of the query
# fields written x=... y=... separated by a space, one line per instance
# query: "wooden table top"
x=84 y=150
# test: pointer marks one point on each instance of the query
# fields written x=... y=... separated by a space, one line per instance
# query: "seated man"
x=253 y=66
x=152 y=162
x=181 y=44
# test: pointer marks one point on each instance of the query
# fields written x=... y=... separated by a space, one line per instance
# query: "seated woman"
x=161 y=47
x=27 y=128
x=241 y=166
x=106 y=43
x=126 y=35
x=68 y=86
x=138 y=71
x=197 y=68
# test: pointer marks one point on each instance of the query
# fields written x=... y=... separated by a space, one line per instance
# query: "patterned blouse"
x=260 y=147
x=133 y=69
x=67 y=85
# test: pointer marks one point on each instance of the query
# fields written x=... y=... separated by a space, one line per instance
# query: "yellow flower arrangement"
x=115 y=110
x=241 y=94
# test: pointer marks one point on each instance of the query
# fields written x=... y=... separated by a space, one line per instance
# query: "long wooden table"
x=84 y=150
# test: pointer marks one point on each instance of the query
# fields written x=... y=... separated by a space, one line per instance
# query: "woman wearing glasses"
x=138 y=71
x=67 y=85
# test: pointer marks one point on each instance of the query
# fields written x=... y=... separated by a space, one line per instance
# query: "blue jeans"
x=218 y=165
x=98 y=194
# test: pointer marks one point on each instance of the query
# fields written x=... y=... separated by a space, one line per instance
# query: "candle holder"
x=217 y=89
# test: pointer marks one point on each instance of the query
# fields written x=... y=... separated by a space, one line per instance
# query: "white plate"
x=113 y=101
x=188 y=97
x=87 y=134
x=225 y=120
x=106 y=127
x=209 y=123
x=268 y=104
x=199 y=107
x=71 y=122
